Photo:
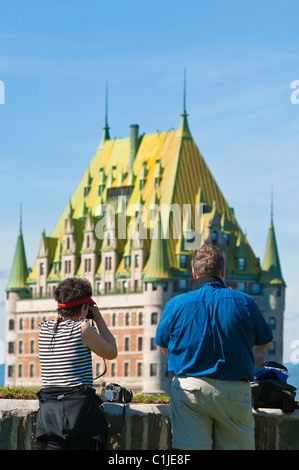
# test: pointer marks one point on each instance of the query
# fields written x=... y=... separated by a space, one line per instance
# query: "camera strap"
x=105 y=370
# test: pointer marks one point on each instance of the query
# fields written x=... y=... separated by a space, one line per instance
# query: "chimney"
x=134 y=142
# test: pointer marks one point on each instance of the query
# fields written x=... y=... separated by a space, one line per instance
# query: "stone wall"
x=143 y=427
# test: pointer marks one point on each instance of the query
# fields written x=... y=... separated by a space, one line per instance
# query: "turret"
x=15 y=288
x=273 y=286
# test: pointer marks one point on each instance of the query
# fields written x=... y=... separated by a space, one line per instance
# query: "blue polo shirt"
x=212 y=331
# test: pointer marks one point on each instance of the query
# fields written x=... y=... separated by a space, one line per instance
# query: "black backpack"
x=271 y=390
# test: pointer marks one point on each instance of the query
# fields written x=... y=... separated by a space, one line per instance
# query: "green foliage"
x=18 y=393
x=21 y=393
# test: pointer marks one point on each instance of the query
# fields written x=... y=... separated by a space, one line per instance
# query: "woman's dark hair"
x=71 y=289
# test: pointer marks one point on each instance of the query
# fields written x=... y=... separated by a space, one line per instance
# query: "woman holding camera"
x=70 y=415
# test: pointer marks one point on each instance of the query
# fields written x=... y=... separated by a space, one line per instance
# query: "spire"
x=105 y=135
x=157 y=268
x=271 y=270
x=19 y=271
x=184 y=127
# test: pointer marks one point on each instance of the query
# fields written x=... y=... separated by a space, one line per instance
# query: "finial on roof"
x=20 y=217
x=184 y=101
x=105 y=135
x=184 y=128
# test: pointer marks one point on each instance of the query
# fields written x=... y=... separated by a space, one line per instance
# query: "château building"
x=144 y=203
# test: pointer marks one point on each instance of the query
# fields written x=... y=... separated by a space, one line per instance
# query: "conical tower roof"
x=157 y=268
x=271 y=270
x=19 y=271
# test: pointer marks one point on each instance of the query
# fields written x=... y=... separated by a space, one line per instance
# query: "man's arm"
x=264 y=346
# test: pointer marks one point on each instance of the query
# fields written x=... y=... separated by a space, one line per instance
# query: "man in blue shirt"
x=208 y=335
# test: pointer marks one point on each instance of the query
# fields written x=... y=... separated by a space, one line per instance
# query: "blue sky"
x=241 y=58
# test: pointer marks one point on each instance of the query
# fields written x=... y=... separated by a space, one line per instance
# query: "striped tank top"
x=64 y=360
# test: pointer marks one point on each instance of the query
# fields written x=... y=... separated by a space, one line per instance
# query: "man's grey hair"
x=207 y=261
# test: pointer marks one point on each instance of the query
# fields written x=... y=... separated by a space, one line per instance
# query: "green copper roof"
x=271 y=271
x=157 y=268
x=19 y=271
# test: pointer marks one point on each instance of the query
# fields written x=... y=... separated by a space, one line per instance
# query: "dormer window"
x=241 y=262
x=226 y=238
x=127 y=262
x=183 y=261
x=214 y=237
x=41 y=269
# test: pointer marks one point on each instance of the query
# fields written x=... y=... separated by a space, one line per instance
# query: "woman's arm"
x=102 y=342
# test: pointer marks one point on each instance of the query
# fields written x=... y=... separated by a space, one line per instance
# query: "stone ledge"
x=142 y=427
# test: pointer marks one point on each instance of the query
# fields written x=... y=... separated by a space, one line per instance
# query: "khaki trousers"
x=211 y=414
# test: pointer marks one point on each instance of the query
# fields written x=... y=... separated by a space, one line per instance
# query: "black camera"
x=114 y=393
x=89 y=315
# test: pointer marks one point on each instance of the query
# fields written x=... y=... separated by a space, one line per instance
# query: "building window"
x=67 y=266
x=32 y=346
x=183 y=261
x=11 y=347
x=108 y=263
x=183 y=284
x=153 y=370
x=214 y=237
x=21 y=324
x=10 y=371
x=127 y=319
x=125 y=286
x=127 y=262
x=114 y=319
x=32 y=323
x=31 y=370
x=137 y=261
x=126 y=369
x=98 y=287
x=87 y=265
x=127 y=344
x=41 y=268
x=226 y=238
x=154 y=319
x=20 y=370
x=140 y=343
x=113 y=370
x=139 y=369
x=242 y=286
x=11 y=325
x=153 y=344
x=272 y=321
x=108 y=287
x=21 y=344
x=241 y=264
x=140 y=318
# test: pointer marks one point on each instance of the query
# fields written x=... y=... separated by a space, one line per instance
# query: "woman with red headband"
x=70 y=415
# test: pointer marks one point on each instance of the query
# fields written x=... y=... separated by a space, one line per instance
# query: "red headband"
x=86 y=300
